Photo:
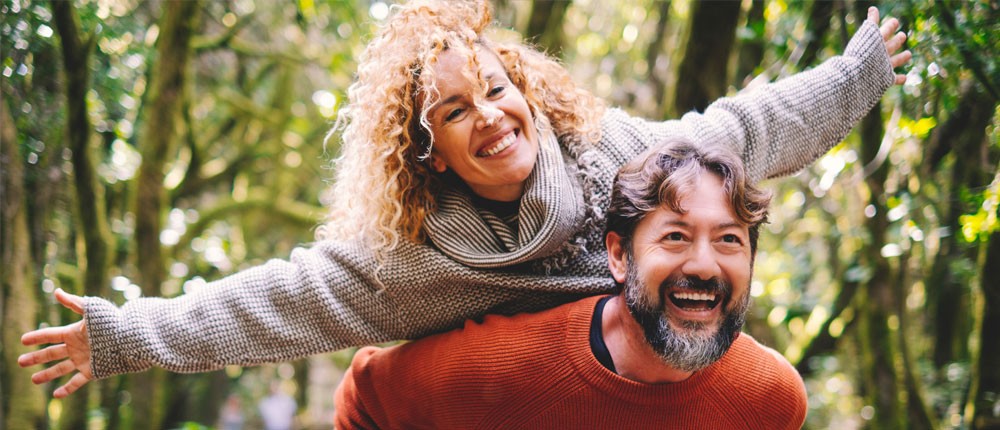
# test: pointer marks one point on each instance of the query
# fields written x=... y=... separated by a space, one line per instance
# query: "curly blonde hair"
x=384 y=186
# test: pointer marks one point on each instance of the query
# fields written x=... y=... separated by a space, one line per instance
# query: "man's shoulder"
x=484 y=368
x=478 y=343
x=763 y=364
x=764 y=377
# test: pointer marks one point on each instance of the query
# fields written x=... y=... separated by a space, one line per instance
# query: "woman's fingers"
x=52 y=353
x=71 y=301
x=900 y=59
x=63 y=368
x=46 y=335
x=69 y=344
x=894 y=41
x=889 y=28
x=892 y=45
x=873 y=15
x=74 y=384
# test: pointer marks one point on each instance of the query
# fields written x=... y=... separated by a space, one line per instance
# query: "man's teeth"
x=695 y=296
x=504 y=144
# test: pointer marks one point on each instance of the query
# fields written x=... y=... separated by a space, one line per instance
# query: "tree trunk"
x=702 y=77
x=919 y=414
x=844 y=305
x=22 y=404
x=824 y=342
x=964 y=136
x=817 y=26
x=986 y=372
x=655 y=73
x=93 y=223
x=751 y=51
x=877 y=336
x=160 y=124
x=545 y=28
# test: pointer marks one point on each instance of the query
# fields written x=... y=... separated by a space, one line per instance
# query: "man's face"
x=687 y=277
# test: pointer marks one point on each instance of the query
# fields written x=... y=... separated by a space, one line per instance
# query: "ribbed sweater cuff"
x=110 y=341
x=868 y=45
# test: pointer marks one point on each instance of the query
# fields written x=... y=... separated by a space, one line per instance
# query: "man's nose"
x=701 y=261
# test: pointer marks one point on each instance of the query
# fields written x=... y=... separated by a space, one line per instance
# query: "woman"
x=473 y=180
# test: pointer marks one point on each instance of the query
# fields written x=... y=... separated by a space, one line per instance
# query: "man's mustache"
x=713 y=285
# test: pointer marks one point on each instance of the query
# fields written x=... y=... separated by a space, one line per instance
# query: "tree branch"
x=294 y=213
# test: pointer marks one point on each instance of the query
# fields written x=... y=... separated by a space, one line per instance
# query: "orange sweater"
x=538 y=371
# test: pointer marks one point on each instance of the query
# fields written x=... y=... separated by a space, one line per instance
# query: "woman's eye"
x=455 y=113
x=731 y=238
x=495 y=90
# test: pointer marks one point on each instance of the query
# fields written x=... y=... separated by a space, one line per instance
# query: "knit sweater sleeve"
x=324 y=298
x=781 y=127
x=319 y=300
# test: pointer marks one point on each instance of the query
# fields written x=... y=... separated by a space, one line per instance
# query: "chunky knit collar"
x=552 y=209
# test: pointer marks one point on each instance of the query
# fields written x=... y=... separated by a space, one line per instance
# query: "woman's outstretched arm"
x=324 y=298
x=781 y=127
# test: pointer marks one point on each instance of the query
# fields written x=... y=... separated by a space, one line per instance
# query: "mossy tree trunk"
x=22 y=404
x=962 y=137
x=751 y=51
x=657 y=55
x=878 y=310
x=817 y=26
x=90 y=205
x=703 y=74
x=986 y=375
x=545 y=28
x=160 y=128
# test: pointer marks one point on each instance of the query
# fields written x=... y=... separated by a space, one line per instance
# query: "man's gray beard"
x=689 y=352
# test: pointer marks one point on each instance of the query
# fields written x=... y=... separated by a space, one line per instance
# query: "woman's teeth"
x=505 y=143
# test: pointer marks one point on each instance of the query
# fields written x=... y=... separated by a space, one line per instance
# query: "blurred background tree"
x=148 y=146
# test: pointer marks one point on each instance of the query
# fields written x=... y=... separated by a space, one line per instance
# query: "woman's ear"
x=617 y=257
x=437 y=164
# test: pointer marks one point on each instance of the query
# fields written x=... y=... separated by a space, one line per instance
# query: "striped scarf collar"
x=552 y=209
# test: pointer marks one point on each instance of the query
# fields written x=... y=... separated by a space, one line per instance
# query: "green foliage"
x=977 y=227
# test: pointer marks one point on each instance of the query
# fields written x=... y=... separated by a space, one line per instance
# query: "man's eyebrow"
x=732 y=224
x=720 y=226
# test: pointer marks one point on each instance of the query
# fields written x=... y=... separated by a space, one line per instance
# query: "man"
x=666 y=352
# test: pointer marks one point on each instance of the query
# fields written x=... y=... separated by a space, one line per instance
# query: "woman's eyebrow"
x=451 y=99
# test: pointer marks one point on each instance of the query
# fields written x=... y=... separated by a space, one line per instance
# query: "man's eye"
x=731 y=238
x=454 y=114
x=495 y=90
x=674 y=236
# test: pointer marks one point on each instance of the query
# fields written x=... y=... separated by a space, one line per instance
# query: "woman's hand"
x=69 y=342
x=894 y=40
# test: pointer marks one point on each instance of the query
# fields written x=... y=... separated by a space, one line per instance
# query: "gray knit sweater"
x=333 y=294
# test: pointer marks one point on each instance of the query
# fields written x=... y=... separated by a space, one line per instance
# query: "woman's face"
x=489 y=140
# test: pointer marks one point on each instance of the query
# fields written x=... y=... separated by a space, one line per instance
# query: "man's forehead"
x=716 y=217
x=702 y=202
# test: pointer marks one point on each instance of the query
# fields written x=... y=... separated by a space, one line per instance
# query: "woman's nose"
x=489 y=115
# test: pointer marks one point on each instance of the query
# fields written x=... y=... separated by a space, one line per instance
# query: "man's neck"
x=633 y=357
